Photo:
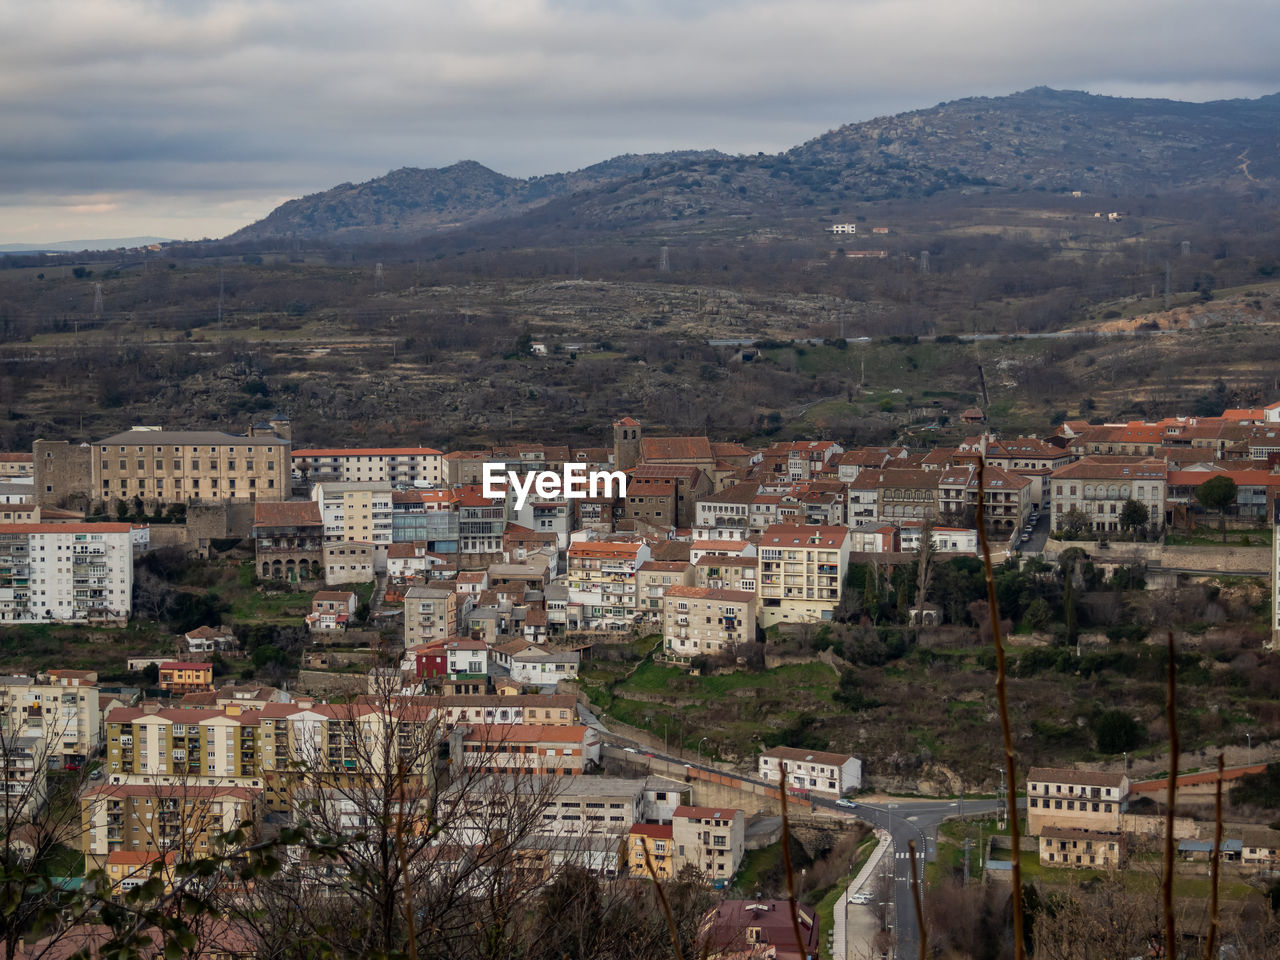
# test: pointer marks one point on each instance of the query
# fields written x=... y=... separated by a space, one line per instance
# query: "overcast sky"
x=191 y=118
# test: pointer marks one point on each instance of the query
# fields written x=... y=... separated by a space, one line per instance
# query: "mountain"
x=410 y=202
x=1039 y=139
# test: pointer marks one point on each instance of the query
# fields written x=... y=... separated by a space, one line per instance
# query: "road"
x=906 y=821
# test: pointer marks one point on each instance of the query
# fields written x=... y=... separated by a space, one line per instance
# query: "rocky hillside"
x=410 y=202
x=1040 y=139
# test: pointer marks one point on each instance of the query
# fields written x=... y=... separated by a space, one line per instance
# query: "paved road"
x=907 y=821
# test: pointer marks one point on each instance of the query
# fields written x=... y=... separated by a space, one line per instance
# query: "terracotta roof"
x=604 y=548
x=65 y=527
x=675 y=448
x=287 y=513
x=526 y=733
x=1084 y=778
x=738 y=493
x=808 y=756
x=369 y=452
x=335 y=595
x=787 y=535
x=664 y=566
x=185 y=665
x=706 y=813
x=719 y=560
x=655 y=831
x=1114 y=468
x=208 y=633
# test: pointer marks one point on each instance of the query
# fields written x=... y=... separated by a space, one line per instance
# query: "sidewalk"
x=854 y=925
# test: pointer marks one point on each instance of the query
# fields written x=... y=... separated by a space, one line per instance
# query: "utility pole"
x=1168 y=283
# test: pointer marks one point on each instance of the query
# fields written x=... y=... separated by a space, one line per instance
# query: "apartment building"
x=17 y=465
x=432 y=611
x=710 y=838
x=352 y=561
x=654 y=578
x=530 y=748
x=816 y=771
x=1098 y=486
x=151 y=818
x=62 y=710
x=802 y=571
x=684 y=484
x=185 y=466
x=288 y=540
x=481 y=523
x=151 y=743
x=651 y=851
x=66 y=571
x=726 y=573
x=24 y=775
x=905 y=493
x=1075 y=799
x=402 y=466
x=359 y=512
x=1032 y=458
x=180 y=678
x=703 y=621
x=602 y=583
x=495 y=709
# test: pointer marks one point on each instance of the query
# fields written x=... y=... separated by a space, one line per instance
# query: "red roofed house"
x=759 y=928
x=1098 y=486
x=181 y=677
x=332 y=610
x=658 y=840
x=530 y=748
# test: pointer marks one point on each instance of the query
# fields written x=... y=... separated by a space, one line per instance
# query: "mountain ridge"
x=1039 y=139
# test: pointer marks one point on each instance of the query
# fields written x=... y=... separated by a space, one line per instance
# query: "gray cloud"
x=191 y=118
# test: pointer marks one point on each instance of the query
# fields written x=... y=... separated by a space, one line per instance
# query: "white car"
x=844 y=802
x=860 y=898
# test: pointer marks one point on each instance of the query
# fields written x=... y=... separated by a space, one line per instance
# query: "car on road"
x=1025 y=537
x=630 y=750
x=95 y=773
x=860 y=898
x=846 y=802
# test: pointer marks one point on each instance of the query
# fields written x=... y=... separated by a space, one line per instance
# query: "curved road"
x=907 y=820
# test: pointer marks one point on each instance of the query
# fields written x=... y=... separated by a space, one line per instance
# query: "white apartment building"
x=816 y=771
x=359 y=512
x=66 y=571
x=62 y=711
x=702 y=621
x=802 y=571
x=710 y=838
x=726 y=514
x=405 y=466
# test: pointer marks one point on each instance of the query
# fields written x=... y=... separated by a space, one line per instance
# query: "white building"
x=405 y=466
x=66 y=571
x=544 y=667
x=816 y=771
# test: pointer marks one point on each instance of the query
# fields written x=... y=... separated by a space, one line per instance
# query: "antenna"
x=1186 y=248
x=377 y=277
x=664 y=259
x=97 y=300
x=924 y=261
x=220 y=288
x=1168 y=278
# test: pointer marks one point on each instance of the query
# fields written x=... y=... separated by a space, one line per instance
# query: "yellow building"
x=802 y=571
x=182 y=466
x=659 y=841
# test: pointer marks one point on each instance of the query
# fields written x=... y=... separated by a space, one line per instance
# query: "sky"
x=191 y=118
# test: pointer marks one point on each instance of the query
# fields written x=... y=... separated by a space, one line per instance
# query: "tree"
x=1133 y=515
x=1075 y=522
x=1117 y=732
x=1217 y=493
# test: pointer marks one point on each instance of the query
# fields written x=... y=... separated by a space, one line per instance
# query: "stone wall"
x=1225 y=559
x=63 y=473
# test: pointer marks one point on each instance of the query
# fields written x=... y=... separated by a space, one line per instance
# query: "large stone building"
x=703 y=621
x=166 y=466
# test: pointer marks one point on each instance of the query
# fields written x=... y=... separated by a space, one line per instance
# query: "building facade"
x=66 y=571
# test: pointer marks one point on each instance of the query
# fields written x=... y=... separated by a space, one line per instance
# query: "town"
x=446 y=706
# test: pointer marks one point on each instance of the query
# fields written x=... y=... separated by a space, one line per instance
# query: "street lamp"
x=1249 y=761
x=700 y=743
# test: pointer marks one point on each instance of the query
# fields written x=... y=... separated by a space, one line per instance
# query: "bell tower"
x=626 y=443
